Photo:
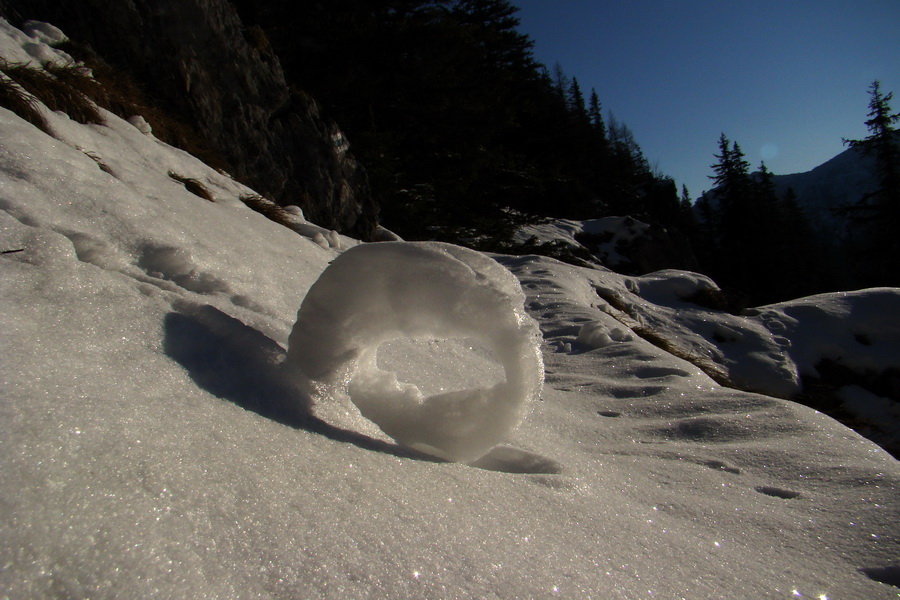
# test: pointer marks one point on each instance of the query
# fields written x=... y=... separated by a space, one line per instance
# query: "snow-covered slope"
x=147 y=449
x=838 y=182
x=611 y=234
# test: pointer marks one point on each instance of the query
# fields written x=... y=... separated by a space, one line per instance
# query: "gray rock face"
x=197 y=56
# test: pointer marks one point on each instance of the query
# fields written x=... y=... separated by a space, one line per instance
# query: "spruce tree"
x=687 y=221
x=733 y=218
x=731 y=172
x=877 y=214
x=561 y=82
x=595 y=114
x=685 y=202
x=576 y=100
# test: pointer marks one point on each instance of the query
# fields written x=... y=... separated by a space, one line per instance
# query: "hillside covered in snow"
x=175 y=425
x=834 y=184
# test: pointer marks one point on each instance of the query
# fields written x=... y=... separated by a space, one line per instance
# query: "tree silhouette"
x=595 y=114
x=463 y=134
x=751 y=239
x=877 y=214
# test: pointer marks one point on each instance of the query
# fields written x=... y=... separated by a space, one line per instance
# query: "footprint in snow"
x=889 y=575
x=506 y=459
x=652 y=372
x=777 y=492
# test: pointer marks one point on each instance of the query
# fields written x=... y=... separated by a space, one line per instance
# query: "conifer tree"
x=686 y=219
x=733 y=218
x=772 y=272
x=731 y=172
x=809 y=256
x=877 y=214
x=576 y=99
x=686 y=203
x=595 y=114
x=561 y=82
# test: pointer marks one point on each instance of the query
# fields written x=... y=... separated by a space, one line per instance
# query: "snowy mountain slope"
x=153 y=445
x=841 y=181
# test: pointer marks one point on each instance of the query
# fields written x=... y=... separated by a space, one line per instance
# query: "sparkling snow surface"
x=154 y=444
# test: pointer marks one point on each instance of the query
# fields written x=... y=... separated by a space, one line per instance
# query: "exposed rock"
x=197 y=57
x=660 y=249
x=642 y=249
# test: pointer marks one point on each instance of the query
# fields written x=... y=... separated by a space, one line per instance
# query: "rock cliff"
x=196 y=57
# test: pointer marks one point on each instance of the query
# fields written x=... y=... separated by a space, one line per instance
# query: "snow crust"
x=154 y=443
x=374 y=294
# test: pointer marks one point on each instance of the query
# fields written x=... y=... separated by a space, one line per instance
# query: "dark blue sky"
x=786 y=79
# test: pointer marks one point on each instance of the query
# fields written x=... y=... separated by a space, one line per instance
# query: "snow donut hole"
x=430 y=341
x=435 y=366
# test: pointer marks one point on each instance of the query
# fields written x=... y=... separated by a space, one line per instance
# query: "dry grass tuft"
x=716 y=372
x=16 y=99
x=70 y=88
x=268 y=209
x=728 y=301
x=194 y=186
x=55 y=93
x=257 y=39
x=79 y=78
x=102 y=165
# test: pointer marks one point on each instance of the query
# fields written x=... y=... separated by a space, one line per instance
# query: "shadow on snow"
x=235 y=362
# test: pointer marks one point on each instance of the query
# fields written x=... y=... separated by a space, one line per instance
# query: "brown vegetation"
x=57 y=94
x=16 y=99
x=194 y=186
x=268 y=209
x=626 y=315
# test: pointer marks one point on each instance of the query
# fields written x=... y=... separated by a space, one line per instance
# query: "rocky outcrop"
x=658 y=249
x=197 y=57
x=631 y=247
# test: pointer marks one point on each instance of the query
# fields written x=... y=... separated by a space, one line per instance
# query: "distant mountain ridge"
x=840 y=181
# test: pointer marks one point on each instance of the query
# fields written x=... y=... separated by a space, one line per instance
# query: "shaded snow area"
x=160 y=437
x=603 y=238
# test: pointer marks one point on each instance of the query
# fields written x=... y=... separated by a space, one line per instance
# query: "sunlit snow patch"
x=450 y=323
